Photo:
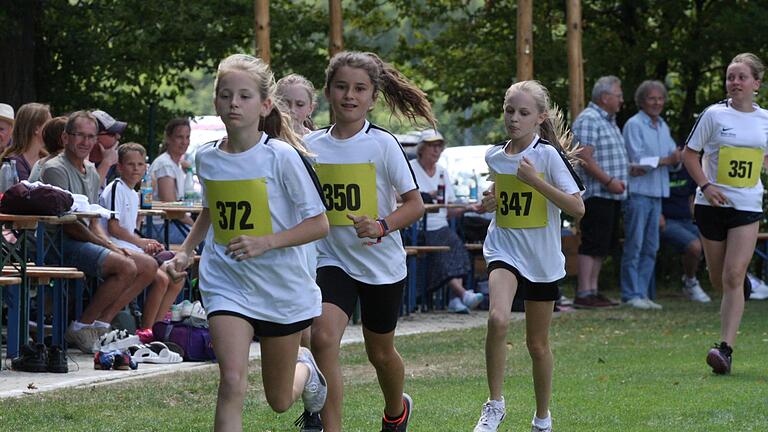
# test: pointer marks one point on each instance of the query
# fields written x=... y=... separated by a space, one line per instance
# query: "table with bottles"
x=171 y=212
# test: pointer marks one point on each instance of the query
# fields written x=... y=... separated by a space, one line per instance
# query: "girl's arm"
x=183 y=258
x=408 y=213
x=571 y=204
x=308 y=230
x=693 y=165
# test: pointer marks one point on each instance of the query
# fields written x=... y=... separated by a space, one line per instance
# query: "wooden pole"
x=524 y=40
x=336 y=43
x=261 y=9
x=575 y=61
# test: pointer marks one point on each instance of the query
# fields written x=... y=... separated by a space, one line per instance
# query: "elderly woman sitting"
x=445 y=267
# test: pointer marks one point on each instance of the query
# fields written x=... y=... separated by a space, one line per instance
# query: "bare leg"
x=538 y=317
x=740 y=245
x=389 y=369
x=146 y=268
x=118 y=271
x=502 y=285
x=282 y=385
x=327 y=330
x=691 y=259
x=231 y=338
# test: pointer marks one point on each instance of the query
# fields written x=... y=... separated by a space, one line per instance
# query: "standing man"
x=6 y=125
x=104 y=154
x=651 y=150
x=605 y=173
x=87 y=247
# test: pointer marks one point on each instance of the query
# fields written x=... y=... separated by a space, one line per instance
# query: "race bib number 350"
x=739 y=166
x=238 y=207
x=518 y=204
x=348 y=189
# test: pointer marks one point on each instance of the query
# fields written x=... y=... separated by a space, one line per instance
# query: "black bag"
x=42 y=200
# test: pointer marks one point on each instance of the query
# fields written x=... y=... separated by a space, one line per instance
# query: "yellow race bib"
x=739 y=166
x=348 y=189
x=238 y=207
x=518 y=204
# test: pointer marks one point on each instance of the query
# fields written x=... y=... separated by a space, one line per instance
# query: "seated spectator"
x=167 y=172
x=104 y=154
x=52 y=132
x=120 y=196
x=444 y=267
x=6 y=125
x=87 y=247
x=677 y=229
x=27 y=146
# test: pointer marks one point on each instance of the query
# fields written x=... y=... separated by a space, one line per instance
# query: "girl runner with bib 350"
x=534 y=180
x=260 y=202
x=361 y=169
x=733 y=135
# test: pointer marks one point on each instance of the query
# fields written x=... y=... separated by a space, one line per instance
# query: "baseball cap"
x=431 y=135
x=107 y=123
x=6 y=112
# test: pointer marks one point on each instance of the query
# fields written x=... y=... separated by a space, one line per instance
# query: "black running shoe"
x=719 y=358
x=401 y=424
x=57 y=360
x=309 y=422
x=33 y=358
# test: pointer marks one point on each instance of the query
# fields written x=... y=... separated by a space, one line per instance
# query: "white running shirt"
x=125 y=203
x=276 y=286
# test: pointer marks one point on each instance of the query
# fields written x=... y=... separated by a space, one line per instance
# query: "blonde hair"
x=29 y=118
x=276 y=123
x=400 y=94
x=301 y=81
x=753 y=62
x=553 y=128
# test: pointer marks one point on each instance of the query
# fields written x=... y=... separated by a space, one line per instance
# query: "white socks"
x=543 y=423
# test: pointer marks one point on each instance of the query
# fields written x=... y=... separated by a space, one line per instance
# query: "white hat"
x=108 y=124
x=431 y=135
x=6 y=112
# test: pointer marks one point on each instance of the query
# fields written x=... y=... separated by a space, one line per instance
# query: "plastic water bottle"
x=8 y=175
x=441 y=190
x=189 y=187
x=473 y=187
x=146 y=191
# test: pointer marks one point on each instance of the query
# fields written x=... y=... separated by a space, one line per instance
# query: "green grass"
x=617 y=370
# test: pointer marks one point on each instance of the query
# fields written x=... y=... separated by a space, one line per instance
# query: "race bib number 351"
x=348 y=189
x=518 y=204
x=238 y=207
x=739 y=166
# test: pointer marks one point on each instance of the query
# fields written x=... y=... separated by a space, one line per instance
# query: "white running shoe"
x=759 y=291
x=316 y=389
x=493 y=414
x=692 y=290
x=472 y=299
x=457 y=306
x=637 y=303
x=652 y=304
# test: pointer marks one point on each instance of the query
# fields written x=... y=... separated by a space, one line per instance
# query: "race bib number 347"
x=238 y=207
x=348 y=189
x=739 y=166
x=518 y=204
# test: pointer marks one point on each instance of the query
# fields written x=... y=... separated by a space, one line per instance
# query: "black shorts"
x=527 y=290
x=714 y=222
x=267 y=328
x=600 y=226
x=379 y=304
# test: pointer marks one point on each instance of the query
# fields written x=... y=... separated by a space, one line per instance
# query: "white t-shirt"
x=722 y=126
x=164 y=166
x=124 y=201
x=535 y=252
x=276 y=286
x=381 y=263
x=435 y=221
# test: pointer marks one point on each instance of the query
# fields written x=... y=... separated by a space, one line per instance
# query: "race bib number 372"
x=518 y=204
x=238 y=207
x=348 y=189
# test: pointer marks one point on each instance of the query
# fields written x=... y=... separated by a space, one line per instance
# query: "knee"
x=733 y=279
x=233 y=383
x=538 y=349
x=694 y=248
x=121 y=266
x=278 y=403
x=322 y=340
x=382 y=357
x=498 y=321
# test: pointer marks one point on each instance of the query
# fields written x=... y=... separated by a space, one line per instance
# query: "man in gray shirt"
x=87 y=247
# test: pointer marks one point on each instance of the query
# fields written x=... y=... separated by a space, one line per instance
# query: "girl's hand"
x=488 y=203
x=176 y=267
x=715 y=196
x=526 y=171
x=243 y=247
x=365 y=226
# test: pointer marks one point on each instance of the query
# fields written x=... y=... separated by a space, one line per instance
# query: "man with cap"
x=6 y=124
x=104 y=153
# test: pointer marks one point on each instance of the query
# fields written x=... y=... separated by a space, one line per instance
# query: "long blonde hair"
x=276 y=123
x=29 y=118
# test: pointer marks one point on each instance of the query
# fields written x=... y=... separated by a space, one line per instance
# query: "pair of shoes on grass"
x=39 y=358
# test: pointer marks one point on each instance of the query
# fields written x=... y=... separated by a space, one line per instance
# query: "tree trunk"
x=18 y=37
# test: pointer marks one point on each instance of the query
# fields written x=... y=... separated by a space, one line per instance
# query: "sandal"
x=155 y=352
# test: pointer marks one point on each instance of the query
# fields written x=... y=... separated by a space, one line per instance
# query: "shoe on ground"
x=457 y=306
x=719 y=358
x=315 y=389
x=198 y=311
x=472 y=299
x=535 y=428
x=186 y=309
x=591 y=301
x=401 y=424
x=492 y=415
x=692 y=290
x=564 y=301
x=57 y=360
x=605 y=300
x=652 y=304
x=637 y=303
x=116 y=340
x=84 y=339
x=759 y=291
x=145 y=335
x=309 y=422
x=32 y=358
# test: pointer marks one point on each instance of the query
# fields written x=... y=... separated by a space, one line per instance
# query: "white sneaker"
x=535 y=428
x=652 y=304
x=692 y=290
x=457 y=306
x=759 y=291
x=472 y=299
x=493 y=414
x=637 y=303
x=316 y=389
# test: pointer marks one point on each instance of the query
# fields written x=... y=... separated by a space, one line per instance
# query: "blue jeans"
x=641 y=242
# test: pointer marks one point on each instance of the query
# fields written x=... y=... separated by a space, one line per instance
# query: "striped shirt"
x=596 y=128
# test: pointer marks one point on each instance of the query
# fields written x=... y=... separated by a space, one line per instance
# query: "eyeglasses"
x=112 y=134
x=80 y=135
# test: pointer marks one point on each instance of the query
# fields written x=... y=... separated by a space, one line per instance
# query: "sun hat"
x=6 y=112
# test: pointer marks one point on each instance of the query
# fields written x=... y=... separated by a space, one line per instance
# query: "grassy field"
x=616 y=370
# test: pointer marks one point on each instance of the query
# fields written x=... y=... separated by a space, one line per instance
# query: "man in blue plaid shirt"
x=605 y=172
